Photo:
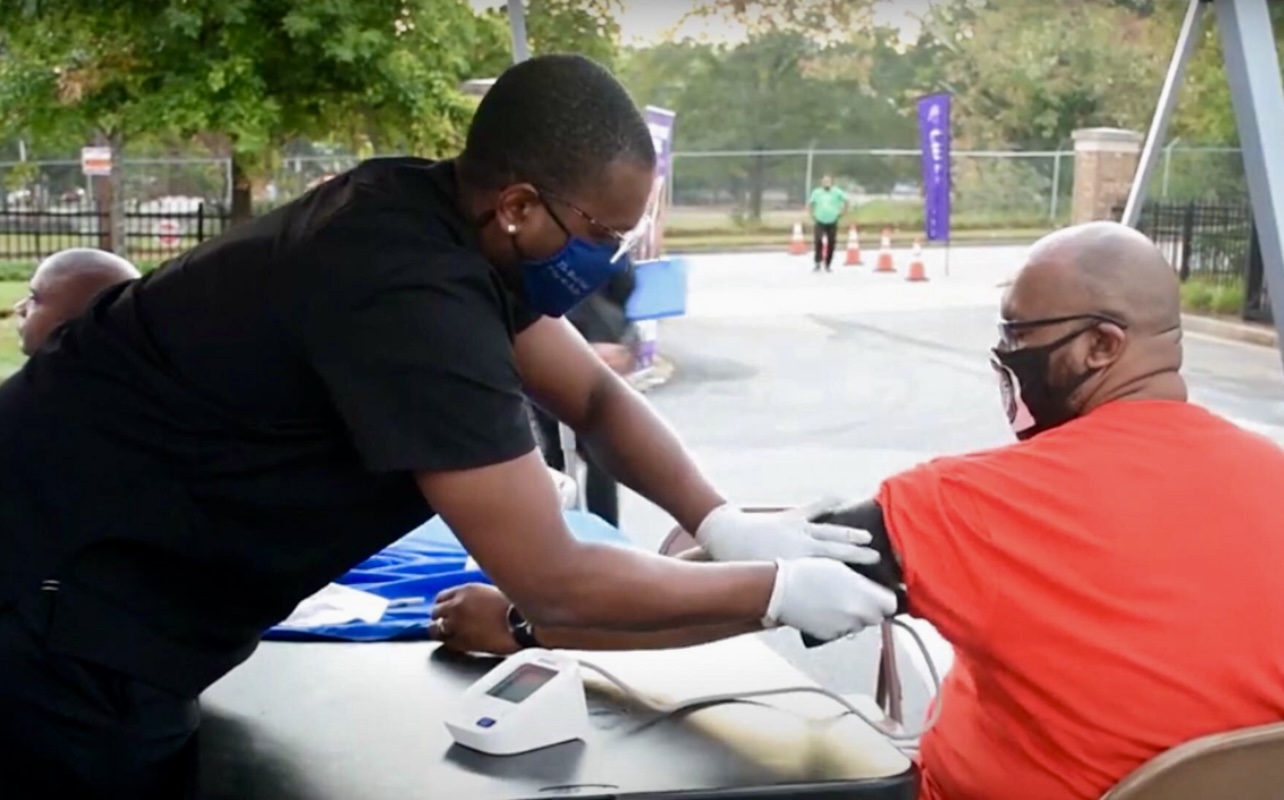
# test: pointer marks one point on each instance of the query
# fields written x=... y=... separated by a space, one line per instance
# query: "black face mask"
x=1033 y=404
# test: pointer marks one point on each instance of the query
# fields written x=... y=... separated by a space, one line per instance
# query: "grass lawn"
x=11 y=356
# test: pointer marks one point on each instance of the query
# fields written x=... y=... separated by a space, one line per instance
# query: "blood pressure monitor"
x=534 y=699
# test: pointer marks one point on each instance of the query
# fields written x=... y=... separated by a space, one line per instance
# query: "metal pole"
x=1168 y=162
x=227 y=183
x=1253 y=69
x=1056 y=186
x=811 y=156
x=517 y=22
x=668 y=186
x=1186 y=44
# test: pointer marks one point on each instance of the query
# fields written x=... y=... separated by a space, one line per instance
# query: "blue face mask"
x=553 y=286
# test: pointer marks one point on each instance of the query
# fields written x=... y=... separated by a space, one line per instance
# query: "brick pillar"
x=1105 y=161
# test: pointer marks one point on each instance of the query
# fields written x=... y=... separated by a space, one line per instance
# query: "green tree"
x=252 y=73
x=1026 y=73
x=781 y=89
x=820 y=19
x=662 y=74
x=1204 y=111
x=587 y=27
x=753 y=97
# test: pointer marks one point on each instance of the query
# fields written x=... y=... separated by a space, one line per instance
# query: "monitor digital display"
x=521 y=683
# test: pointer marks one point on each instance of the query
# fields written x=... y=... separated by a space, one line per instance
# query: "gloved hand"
x=823 y=598
x=729 y=534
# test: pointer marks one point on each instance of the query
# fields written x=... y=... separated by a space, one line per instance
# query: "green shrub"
x=1197 y=295
x=1228 y=298
x=1209 y=295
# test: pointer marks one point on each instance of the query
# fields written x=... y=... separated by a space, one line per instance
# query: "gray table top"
x=343 y=721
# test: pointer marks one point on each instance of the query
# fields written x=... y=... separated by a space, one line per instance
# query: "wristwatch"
x=521 y=630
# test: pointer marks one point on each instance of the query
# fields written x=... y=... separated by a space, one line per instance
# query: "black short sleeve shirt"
x=213 y=442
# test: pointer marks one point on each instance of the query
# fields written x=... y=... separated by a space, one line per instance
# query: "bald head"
x=1093 y=316
x=63 y=286
x=1100 y=267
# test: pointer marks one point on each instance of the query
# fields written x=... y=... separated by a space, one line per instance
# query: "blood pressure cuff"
x=868 y=516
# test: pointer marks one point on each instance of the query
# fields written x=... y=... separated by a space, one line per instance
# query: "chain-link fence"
x=711 y=191
x=297 y=174
x=45 y=185
x=1205 y=174
x=770 y=188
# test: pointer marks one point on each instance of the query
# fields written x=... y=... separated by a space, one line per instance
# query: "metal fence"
x=151 y=233
x=37 y=185
x=709 y=191
x=770 y=188
x=991 y=188
x=1213 y=247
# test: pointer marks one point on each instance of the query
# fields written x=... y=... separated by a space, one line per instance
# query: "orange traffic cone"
x=797 y=246
x=853 y=247
x=885 y=263
x=917 y=272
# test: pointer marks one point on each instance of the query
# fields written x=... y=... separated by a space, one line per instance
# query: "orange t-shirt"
x=1112 y=588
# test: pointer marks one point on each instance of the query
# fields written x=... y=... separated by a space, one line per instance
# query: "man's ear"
x=515 y=204
x=1107 y=344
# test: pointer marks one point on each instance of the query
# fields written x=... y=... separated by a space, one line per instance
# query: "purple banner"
x=934 y=140
x=660 y=121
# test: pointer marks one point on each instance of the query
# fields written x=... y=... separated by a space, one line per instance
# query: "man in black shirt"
x=210 y=444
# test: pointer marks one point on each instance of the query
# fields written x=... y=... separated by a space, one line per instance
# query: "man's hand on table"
x=729 y=534
x=473 y=618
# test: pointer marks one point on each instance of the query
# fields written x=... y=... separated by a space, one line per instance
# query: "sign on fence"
x=95 y=160
x=934 y=142
x=167 y=233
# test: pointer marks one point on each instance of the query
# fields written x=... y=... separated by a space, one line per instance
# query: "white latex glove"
x=824 y=598
x=729 y=534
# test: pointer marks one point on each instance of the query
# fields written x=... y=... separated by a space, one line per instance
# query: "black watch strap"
x=521 y=630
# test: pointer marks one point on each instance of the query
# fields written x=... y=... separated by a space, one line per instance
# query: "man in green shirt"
x=827 y=205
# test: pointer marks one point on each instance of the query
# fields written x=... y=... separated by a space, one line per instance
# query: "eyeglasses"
x=626 y=240
x=1010 y=329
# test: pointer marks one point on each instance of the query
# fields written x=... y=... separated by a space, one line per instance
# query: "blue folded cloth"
x=422 y=563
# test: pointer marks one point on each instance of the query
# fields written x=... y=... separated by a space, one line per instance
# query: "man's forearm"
x=588 y=639
x=636 y=446
x=605 y=586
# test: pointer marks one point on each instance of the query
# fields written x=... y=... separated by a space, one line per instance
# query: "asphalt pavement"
x=790 y=385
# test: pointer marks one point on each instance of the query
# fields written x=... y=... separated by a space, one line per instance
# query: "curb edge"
x=1231 y=331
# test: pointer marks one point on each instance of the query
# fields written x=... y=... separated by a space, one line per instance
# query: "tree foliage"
x=1026 y=73
x=253 y=73
x=587 y=27
x=1205 y=112
x=249 y=76
x=826 y=20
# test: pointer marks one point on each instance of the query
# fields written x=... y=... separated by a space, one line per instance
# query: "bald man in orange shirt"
x=1110 y=583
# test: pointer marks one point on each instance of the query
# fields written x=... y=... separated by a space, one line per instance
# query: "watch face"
x=520 y=629
x=515 y=618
